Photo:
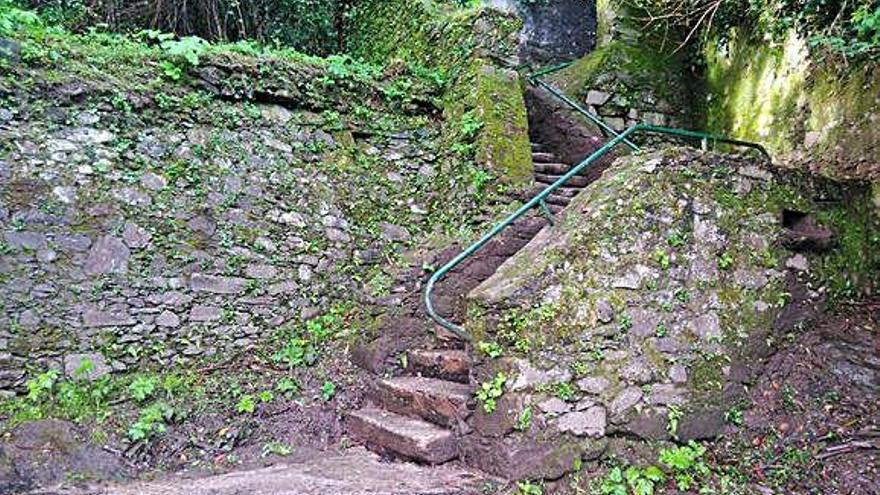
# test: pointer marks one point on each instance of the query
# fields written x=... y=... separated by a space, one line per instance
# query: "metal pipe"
x=594 y=118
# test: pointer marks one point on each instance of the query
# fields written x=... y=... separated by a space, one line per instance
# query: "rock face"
x=555 y=31
x=660 y=291
x=47 y=452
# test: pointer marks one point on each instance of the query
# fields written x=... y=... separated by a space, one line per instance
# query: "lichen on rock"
x=667 y=281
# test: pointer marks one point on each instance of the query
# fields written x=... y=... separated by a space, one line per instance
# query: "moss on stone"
x=503 y=143
x=456 y=42
x=717 y=219
x=774 y=92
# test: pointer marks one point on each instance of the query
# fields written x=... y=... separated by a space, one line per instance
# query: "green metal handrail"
x=539 y=199
x=535 y=80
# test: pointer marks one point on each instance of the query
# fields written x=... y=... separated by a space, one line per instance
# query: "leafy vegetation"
x=490 y=349
x=684 y=465
x=632 y=480
x=489 y=392
x=846 y=29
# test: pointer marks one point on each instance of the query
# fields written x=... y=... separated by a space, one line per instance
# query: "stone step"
x=441 y=402
x=445 y=364
x=538 y=147
x=390 y=433
x=576 y=181
x=542 y=157
x=553 y=168
x=567 y=192
x=555 y=199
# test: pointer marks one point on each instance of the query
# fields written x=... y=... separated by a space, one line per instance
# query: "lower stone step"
x=576 y=181
x=390 y=433
x=554 y=168
x=441 y=402
x=453 y=365
x=542 y=157
x=557 y=200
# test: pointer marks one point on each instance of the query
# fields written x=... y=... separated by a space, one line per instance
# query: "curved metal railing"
x=535 y=80
x=538 y=201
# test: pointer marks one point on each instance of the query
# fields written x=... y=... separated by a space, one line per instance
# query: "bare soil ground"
x=814 y=422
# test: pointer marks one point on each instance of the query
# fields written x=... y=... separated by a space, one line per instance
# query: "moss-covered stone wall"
x=809 y=114
x=470 y=48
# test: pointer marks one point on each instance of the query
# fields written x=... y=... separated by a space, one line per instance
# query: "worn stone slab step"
x=576 y=181
x=445 y=364
x=554 y=169
x=538 y=147
x=567 y=192
x=555 y=208
x=441 y=402
x=390 y=433
x=555 y=199
x=544 y=157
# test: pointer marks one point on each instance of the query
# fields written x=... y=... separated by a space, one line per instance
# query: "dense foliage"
x=846 y=29
x=312 y=26
x=317 y=27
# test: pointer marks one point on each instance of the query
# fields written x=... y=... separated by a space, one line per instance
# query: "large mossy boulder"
x=651 y=305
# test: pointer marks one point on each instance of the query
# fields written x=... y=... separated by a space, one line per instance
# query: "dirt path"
x=355 y=473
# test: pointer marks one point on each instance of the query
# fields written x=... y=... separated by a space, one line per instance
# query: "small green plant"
x=180 y=55
x=632 y=480
x=676 y=240
x=478 y=179
x=682 y=295
x=328 y=391
x=489 y=392
x=470 y=126
x=151 y=421
x=580 y=368
x=734 y=415
x=85 y=367
x=287 y=387
x=266 y=396
x=663 y=259
x=276 y=448
x=142 y=388
x=522 y=345
x=528 y=488
x=565 y=391
x=40 y=386
x=673 y=416
x=686 y=464
x=661 y=331
x=524 y=419
x=625 y=323
x=490 y=349
x=725 y=261
x=246 y=404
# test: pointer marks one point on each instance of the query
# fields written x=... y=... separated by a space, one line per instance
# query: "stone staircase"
x=418 y=416
x=548 y=169
x=421 y=415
